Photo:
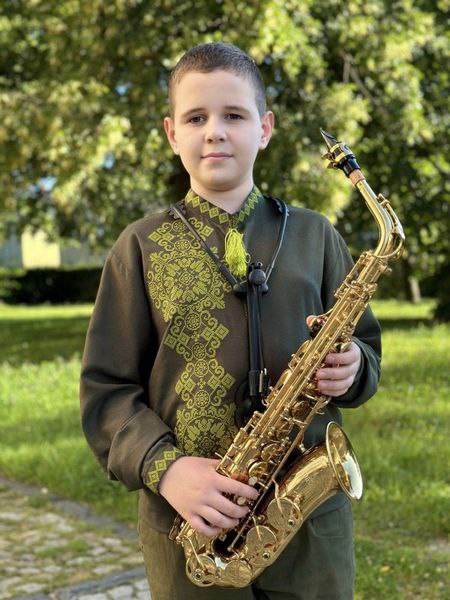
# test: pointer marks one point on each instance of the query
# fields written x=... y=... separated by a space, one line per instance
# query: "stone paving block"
x=29 y=588
x=142 y=584
x=121 y=592
x=45 y=553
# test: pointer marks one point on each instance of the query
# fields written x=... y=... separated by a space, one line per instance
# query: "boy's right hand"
x=196 y=491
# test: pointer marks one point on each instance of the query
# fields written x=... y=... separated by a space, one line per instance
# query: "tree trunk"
x=414 y=290
x=412 y=286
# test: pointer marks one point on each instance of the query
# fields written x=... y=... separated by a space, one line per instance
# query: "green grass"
x=399 y=313
x=40 y=333
x=400 y=436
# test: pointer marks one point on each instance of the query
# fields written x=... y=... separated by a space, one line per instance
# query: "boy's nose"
x=215 y=131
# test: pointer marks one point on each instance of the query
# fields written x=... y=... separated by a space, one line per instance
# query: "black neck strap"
x=251 y=396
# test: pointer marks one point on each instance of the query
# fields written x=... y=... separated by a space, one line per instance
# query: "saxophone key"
x=341 y=345
x=298 y=422
x=283 y=514
x=201 y=570
x=258 y=469
x=237 y=573
x=270 y=451
x=283 y=427
x=261 y=545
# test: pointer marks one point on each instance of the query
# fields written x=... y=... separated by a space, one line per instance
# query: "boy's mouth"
x=217 y=155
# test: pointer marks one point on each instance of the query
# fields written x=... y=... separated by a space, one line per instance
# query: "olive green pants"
x=318 y=564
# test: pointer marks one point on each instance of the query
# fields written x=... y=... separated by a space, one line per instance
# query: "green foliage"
x=83 y=92
x=9 y=282
x=400 y=437
x=57 y=286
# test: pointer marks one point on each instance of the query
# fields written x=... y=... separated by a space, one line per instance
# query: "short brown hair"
x=207 y=57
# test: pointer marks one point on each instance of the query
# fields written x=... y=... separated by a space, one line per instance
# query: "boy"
x=167 y=350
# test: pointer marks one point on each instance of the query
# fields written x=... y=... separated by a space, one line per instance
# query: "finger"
x=228 y=508
x=341 y=358
x=309 y=320
x=335 y=374
x=334 y=388
x=352 y=354
x=231 y=486
x=202 y=527
x=216 y=519
x=334 y=393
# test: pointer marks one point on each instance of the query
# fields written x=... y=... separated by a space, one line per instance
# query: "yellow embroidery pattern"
x=160 y=466
x=186 y=286
x=217 y=214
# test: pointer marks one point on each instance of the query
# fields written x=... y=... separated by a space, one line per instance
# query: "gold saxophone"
x=262 y=448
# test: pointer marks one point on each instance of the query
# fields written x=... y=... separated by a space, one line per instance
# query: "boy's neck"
x=230 y=201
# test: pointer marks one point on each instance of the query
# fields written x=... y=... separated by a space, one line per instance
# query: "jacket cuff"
x=154 y=468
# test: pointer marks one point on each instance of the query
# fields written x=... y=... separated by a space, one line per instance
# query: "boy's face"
x=217 y=130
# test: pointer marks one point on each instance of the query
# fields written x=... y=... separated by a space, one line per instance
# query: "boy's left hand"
x=337 y=376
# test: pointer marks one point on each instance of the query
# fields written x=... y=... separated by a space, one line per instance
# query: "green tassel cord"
x=236 y=256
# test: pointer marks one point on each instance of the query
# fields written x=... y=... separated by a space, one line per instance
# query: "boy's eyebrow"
x=236 y=108
x=190 y=111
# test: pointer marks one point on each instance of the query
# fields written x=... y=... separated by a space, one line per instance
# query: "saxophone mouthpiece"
x=330 y=141
x=339 y=156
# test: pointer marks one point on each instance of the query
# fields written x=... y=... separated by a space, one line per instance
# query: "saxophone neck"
x=391 y=236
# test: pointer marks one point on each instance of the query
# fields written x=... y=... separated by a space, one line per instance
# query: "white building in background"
x=34 y=251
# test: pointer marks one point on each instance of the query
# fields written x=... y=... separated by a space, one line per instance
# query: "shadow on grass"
x=388 y=323
x=38 y=340
x=414 y=371
x=44 y=339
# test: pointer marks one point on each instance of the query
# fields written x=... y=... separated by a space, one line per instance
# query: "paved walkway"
x=52 y=549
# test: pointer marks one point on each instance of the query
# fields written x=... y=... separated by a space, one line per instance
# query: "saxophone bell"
x=343 y=462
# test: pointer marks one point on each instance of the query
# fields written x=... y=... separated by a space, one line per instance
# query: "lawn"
x=400 y=436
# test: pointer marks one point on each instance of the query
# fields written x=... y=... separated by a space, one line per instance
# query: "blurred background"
x=83 y=89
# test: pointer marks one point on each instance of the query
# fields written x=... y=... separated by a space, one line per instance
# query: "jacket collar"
x=214 y=213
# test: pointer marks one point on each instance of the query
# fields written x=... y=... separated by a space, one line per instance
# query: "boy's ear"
x=170 y=132
x=267 y=123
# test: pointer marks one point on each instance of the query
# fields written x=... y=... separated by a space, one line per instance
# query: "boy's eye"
x=201 y=118
x=196 y=119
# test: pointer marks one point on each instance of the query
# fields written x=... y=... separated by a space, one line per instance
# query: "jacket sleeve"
x=122 y=431
x=367 y=333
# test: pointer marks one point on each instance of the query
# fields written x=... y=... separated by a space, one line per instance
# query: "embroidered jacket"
x=167 y=349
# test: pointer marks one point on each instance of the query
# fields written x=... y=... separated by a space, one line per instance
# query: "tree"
x=83 y=90
x=407 y=143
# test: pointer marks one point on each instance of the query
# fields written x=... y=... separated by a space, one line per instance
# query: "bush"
x=55 y=286
x=442 y=312
x=9 y=282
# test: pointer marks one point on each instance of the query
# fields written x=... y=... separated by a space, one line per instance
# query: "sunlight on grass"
x=44 y=311
x=397 y=309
